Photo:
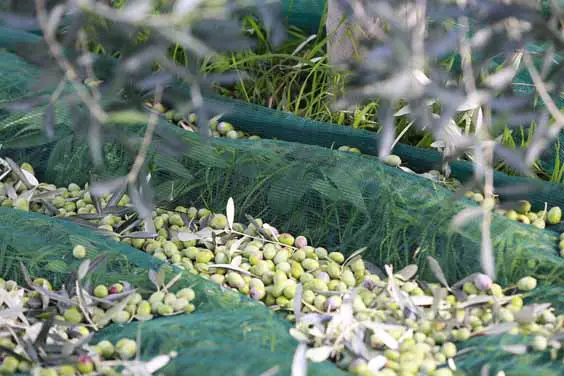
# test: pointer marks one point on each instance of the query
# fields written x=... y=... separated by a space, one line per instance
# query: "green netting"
x=227 y=334
x=339 y=200
x=274 y=124
x=336 y=199
x=306 y=15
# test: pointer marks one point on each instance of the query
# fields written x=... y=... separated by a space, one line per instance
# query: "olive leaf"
x=161 y=275
x=230 y=211
x=518 y=349
x=116 y=197
x=5 y=169
x=493 y=330
x=235 y=246
x=298 y=302
x=18 y=171
x=203 y=234
x=382 y=334
x=273 y=371
x=353 y=255
x=258 y=227
x=110 y=313
x=139 y=235
x=318 y=354
x=408 y=272
x=11 y=192
x=530 y=312
x=30 y=178
x=153 y=278
x=377 y=363
x=83 y=270
x=437 y=271
x=157 y=363
x=129 y=224
x=299 y=362
x=232 y=267
x=70 y=347
x=171 y=283
x=46 y=326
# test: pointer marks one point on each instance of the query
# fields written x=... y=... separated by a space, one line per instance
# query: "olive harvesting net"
x=249 y=340
x=342 y=201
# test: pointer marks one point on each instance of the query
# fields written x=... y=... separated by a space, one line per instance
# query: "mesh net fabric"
x=339 y=200
x=334 y=198
x=228 y=334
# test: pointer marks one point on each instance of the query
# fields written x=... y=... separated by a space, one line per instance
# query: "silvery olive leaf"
x=464 y=216
x=10 y=191
x=32 y=180
x=109 y=186
x=496 y=329
x=319 y=354
x=157 y=363
x=407 y=273
x=153 y=278
x=271 y=371
x=437 y=271
x=519 y=349
x=83 y=270
x=299 y=362
x=298 y=335
x=382 y=335
x=139 y=235
x=377 y=363
x=474 y=300
x=231 y=267
x=204 y=234
x=353 y=255
x=298 y=302
x=530 y=312
x=19 y=172
x=230 y=212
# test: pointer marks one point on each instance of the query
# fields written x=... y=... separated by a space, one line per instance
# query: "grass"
x=296 y=78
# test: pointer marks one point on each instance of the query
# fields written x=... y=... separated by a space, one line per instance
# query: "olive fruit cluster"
x=410 y=331
x=90 y=359
x=91 y=363
x=226 y=130
x=136 y=307
x=523 y=213
x=411 y=334
x=561 y=244
x=219 y=129
x=266 y=270
x=349 y=149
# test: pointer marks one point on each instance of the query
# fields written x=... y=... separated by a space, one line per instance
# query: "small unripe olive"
x=79 y=252
x=527 y=283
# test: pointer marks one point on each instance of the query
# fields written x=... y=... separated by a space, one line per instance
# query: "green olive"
x=79 y=252
x=554 y=215
x=121 y=317
x=286 y=239
x=100 y=291
x=126 y=348
x=73 y=315
x=527 y=284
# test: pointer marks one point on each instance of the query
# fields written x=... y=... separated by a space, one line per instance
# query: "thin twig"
x=70 y=72
x=545 y=96
x=147 y=139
